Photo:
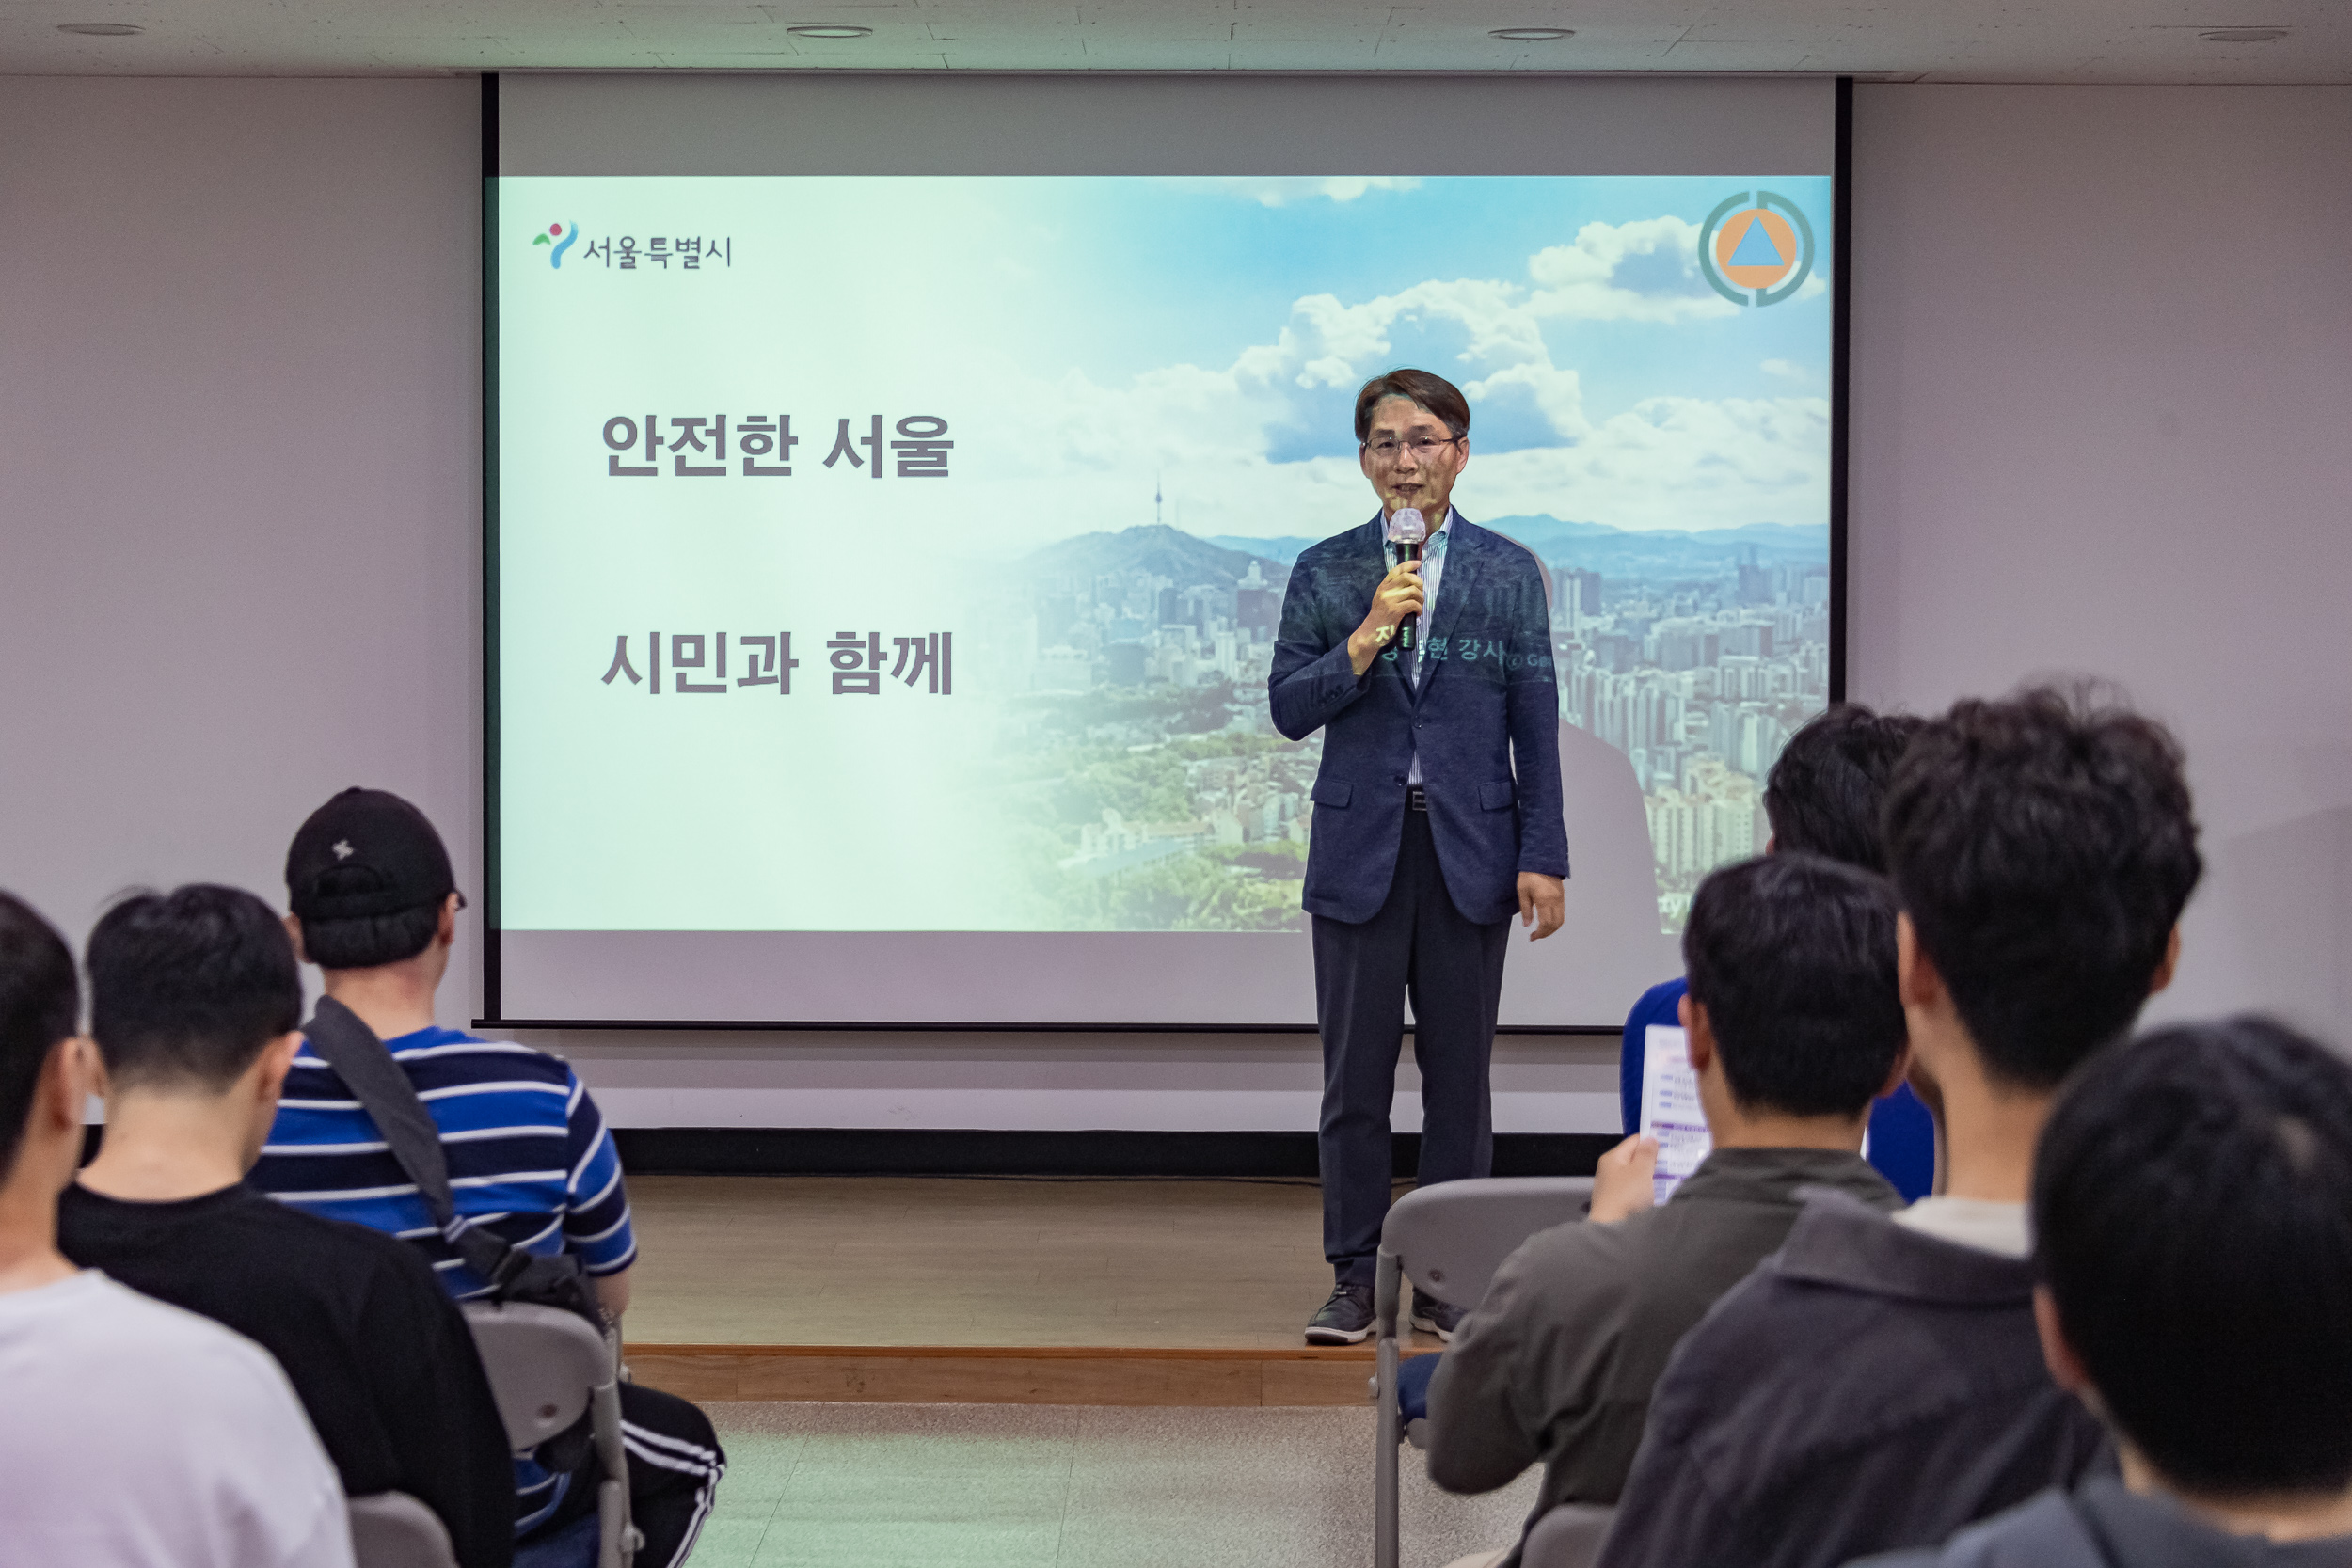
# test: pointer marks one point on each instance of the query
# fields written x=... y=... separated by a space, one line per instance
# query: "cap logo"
x=344 y=850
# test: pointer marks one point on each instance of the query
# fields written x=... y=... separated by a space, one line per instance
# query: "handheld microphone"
x=1407 y=528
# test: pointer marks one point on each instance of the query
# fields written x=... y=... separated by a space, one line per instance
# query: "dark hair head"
x=370 y=942
x=1793 y=959
x=1824 y=794
x=187 y=987
x=2192 y=1206
x=40 y=1002
x=1419 y=388
x=2044 y=846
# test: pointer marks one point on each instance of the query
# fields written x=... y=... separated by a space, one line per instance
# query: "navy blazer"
x=1487 y=698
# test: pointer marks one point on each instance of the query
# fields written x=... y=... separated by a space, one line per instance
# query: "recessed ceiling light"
x=101 y=29
x=1532 y=35
x=2242 y=34
x=828 y=30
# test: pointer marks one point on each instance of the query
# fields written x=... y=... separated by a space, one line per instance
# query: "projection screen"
x=893 y=484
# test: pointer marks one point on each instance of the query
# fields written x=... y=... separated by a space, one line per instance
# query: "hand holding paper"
x=1624 y=1181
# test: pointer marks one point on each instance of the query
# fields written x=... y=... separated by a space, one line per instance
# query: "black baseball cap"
x=365 y=853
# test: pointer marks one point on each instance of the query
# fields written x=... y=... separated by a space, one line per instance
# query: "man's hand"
x=1625 y=1182
x=1542 y=903
x=1400 y=595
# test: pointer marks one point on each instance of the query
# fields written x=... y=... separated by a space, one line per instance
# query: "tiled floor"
x=977 y=1486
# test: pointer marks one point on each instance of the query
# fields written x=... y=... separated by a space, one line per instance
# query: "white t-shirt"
x=134 y=1434
x=1971 y=1222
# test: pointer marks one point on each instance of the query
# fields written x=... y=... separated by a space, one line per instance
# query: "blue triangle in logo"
x=1755 y=248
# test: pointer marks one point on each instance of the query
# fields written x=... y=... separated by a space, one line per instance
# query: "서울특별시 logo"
x=561 y=236
x=1756 y=248
x=627 y=254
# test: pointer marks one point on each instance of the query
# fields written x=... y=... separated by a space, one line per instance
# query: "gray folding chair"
x=393 y=1529
x=546 y=1366
x=1567 y=1537
x=1448 y=1240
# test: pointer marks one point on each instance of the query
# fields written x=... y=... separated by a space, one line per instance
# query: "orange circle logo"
x=1754 y=249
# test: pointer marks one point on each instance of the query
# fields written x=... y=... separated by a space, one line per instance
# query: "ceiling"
x=1972 y=40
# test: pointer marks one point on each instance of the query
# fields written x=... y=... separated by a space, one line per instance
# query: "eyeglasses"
x=1388 y=451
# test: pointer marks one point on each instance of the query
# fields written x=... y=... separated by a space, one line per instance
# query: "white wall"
x=2101 y=399
x=240 y=511
x=2103 y=421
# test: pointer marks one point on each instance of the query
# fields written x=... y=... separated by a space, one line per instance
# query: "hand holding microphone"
x=1396 y=603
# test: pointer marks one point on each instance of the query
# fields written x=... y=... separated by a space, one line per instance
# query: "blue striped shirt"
x=530 y=1157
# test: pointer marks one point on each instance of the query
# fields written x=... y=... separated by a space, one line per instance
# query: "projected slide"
x=904 y=554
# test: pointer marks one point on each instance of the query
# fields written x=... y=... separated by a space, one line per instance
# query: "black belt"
x=1416 y=798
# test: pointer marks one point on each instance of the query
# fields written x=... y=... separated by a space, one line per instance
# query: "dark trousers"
x=1418 y=945
x=675 y=1463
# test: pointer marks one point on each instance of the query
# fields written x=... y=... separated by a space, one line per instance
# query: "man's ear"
x=2167 y=965
x=2057 y=1352
x=71 y=1075
x=276 y=1061
x=1915 y=978
x=445 y=930
x=1700 y=1034
x=293 y=929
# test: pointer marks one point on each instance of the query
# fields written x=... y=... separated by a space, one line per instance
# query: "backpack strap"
x=345 y=1043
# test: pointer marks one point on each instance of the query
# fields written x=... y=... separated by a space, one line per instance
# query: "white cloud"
x=1668 y=462
x=1282 y=190
x=1646 y=270
x=1783 y=368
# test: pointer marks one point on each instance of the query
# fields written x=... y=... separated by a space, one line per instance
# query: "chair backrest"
x=393 y=1529
x=541 y=1363
x=1451 y=1238
x=1569 y=1536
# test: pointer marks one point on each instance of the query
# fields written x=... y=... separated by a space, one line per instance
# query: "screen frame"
x=1841 y=295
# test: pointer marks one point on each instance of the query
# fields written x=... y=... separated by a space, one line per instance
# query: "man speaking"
x=1436 y=812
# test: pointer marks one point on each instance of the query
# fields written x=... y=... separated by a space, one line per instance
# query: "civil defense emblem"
x=1756 y=248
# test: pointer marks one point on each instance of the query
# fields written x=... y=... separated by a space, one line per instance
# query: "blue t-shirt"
x=1902 y=1135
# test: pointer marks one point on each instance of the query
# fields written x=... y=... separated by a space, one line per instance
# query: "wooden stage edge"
x=1009 y=1374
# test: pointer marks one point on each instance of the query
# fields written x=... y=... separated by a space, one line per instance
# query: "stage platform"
x=988 y=1290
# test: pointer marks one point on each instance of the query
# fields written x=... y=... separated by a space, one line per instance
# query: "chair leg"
x=617 y=1539
x=1385 y=1292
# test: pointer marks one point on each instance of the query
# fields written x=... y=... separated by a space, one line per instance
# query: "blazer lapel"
x=1463 y=552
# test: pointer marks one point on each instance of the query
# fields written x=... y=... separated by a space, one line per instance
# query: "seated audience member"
x=1794 y=1027
x=194 y=996
x=375 y=907
x=132 y=1435
x=1822 y=797
x=1877 y=1384
x=2192 y=1211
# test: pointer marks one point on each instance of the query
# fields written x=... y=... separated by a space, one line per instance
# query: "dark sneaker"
x=1436 y=1317
x=1344 y=1320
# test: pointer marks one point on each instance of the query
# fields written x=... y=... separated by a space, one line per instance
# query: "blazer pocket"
x=1494 y=796
x=1331 y=792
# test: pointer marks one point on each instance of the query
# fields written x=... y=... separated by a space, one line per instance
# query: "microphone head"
x=1406 y=526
